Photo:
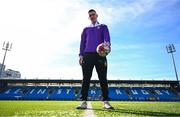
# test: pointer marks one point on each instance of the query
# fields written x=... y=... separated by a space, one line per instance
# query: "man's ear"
x=97 y=15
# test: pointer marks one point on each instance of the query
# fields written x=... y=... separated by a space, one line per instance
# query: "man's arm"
x=82 y=43
x=82 y=46
x=106 y=35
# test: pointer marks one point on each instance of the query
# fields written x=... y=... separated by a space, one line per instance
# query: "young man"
x=91 y=37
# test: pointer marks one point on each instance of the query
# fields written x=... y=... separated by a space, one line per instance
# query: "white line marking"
x=89 y=112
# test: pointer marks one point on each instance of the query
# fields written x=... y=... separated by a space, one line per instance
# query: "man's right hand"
x=80 y=60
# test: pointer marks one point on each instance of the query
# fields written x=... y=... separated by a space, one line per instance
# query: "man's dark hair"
x=91 y=10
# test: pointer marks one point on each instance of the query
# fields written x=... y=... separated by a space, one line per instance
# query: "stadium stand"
x=19 y=89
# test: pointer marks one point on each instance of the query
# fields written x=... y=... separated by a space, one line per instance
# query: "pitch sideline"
x=89 y=112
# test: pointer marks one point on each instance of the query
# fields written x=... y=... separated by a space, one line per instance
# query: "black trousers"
x=89 y=61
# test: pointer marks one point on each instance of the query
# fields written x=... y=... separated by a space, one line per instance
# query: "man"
x=91 y=37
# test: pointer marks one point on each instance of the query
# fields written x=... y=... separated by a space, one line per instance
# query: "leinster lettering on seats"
x=67 y=91
x=143 y=91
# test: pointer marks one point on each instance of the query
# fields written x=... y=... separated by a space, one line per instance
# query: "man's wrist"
x=108 y=43
x=80 y=56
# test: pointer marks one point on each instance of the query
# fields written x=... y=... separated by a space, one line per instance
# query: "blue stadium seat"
x=94 y=93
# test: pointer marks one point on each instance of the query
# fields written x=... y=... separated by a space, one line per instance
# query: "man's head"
x=92 y=15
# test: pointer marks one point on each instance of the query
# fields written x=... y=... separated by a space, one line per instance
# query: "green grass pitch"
x=139 y=109
x=67 y=109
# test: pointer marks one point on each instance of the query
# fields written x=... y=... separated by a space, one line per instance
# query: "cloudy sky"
x=46 y=36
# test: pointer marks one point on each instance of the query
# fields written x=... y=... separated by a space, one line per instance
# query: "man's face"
x=93 y=16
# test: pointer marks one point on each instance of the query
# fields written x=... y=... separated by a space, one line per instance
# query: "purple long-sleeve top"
x=92 y=36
